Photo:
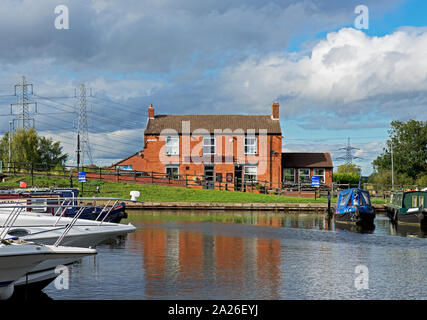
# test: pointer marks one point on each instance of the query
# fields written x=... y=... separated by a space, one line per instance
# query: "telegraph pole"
x=392 y=169
x=78 y=152
x=10 y=141
x=24 y=118
x=83 y=146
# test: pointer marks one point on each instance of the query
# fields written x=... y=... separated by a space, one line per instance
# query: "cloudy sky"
x=332 y=80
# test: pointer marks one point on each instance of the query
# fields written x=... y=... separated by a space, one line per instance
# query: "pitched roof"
x=118 y=163
x=211 y=122
x=306 y=160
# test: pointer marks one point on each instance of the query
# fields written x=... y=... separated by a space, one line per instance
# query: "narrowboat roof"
x=345 y=195
x=351 y=190
x=408 y=192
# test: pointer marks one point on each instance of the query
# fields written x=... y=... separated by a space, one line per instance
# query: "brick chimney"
x=150 y=112
x=275 y=111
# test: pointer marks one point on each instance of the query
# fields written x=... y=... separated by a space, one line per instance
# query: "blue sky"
x=332 y=81
x=406 y=13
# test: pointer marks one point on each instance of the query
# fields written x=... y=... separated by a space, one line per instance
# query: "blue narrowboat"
x=354 y=206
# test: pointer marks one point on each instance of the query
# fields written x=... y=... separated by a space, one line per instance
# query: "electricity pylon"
x=348 y=153
x=83 y=146
x=23 y=118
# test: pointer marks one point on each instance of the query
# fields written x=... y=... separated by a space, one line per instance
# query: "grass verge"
x=159 y=193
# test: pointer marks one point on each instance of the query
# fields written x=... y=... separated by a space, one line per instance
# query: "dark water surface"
x=245 y=255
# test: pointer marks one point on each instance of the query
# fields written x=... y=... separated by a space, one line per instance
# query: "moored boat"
x=49 y=197
x=407 y=207
x=17 y=223
x=354 y=206
x=18 y=257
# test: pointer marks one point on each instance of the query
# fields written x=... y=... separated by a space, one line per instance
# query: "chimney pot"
x=150 y=112
x=275 y=111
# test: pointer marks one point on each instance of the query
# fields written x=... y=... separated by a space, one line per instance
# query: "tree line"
x=26 y=146
x=408 y=143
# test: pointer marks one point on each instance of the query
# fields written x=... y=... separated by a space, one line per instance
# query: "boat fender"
x=6 y=292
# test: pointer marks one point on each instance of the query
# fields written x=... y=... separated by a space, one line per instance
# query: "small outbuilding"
x=302 y=166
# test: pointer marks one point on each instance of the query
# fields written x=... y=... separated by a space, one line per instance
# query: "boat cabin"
x=405 y=200
x=352 y=198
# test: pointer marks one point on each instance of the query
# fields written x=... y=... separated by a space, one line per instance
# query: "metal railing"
x=63 y=204
x=219 y=182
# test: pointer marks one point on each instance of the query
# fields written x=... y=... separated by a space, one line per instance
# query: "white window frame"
x=322 y=176
x=172 y=145
x=299 y=175
x=414 y=201
x=293 y=174
x=172 y=167
x=211 y=147
x=247 y=174
x=252 y=147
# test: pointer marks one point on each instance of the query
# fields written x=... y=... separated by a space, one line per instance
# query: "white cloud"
x=124 y=89
x=347 y=69
x=106 y=148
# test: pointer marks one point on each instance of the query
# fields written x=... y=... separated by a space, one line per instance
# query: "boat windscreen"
x=344 y=198
x=366 y=198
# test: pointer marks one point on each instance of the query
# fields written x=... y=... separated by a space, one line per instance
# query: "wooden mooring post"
x=329 y=204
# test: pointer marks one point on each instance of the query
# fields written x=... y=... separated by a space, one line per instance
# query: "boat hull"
x=419 y=217
x=85 y=233
x=115 y=216
x=17 y=260
x=42 y=275
x=358 y=218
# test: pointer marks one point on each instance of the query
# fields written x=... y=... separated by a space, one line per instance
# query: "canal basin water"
x=251 y=255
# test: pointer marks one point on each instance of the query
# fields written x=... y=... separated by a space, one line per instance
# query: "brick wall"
x=153 y=158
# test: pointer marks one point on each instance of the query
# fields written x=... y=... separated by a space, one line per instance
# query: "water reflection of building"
x=184 y=261
x=190 y=244
x=154 y=249
x=269 y=260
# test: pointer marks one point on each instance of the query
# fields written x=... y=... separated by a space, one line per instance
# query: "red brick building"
x=222 y=148
x=302 y=166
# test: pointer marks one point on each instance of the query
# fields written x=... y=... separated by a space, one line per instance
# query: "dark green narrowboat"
x=408 y=206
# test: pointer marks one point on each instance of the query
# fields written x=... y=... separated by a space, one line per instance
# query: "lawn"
x=160 y=193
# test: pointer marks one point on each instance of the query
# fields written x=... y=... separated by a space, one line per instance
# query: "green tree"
x=409 y=142
x=346 y=177
x=28 y=147
x=384 y=178
x=349 y=168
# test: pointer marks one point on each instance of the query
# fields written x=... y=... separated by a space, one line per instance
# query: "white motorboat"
x=41 y=228
x=49 y=230
x=18 y=257
x=46 y=229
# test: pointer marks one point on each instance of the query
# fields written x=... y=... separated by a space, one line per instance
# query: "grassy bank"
x=160 y=193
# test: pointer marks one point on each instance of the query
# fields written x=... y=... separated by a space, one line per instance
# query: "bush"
x=346 y=177
x=422 y=180
x=384 y=178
